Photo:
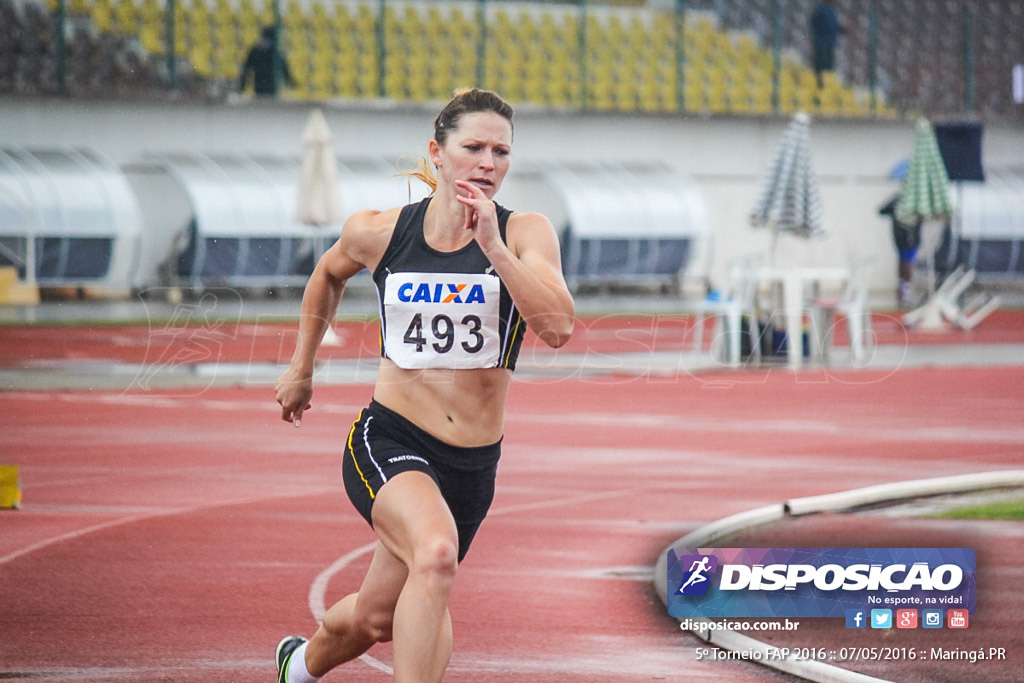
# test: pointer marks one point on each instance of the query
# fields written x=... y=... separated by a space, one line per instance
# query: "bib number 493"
x=442 y=320
x=443 y=331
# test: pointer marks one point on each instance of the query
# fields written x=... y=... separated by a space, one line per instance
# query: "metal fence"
x=895 y=58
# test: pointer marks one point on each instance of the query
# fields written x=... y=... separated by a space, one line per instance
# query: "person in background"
x=267 y=65
x=458 y=277
x=907 y=238
x=825 y=30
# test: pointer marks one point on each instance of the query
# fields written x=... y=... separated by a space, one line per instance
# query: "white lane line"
x=682 y=423
x=904 y=432
x=131 y=519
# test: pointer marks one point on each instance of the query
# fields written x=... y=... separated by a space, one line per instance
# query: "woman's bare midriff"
x=460 y=407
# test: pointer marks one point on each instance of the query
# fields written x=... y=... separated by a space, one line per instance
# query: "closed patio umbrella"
x=791 y=198
x=791 y=203
x=925 y=191
x=318 y=199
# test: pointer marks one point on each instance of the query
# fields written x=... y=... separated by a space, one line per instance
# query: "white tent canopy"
x=67 y=217
x=619 y=223
x=626 y=201
x=993 y=209
x=229 y=219
x=988 y=226
x=237 y=225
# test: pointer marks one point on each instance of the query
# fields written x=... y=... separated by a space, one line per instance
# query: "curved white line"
x=318 y=589
x=318 y=592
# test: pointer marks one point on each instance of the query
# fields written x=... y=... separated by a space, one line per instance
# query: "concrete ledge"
x=847 y=500
x=703 y=537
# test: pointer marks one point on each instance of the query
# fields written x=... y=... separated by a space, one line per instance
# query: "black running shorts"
x=382 y=444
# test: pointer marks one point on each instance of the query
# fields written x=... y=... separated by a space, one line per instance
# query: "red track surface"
x=177 y=535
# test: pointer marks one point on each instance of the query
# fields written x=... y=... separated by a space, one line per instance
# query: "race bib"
x=442 y=320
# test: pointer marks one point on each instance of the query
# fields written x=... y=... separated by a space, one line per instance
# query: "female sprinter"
x=458 y=278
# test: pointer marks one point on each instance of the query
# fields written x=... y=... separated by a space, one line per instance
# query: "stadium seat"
x=200 y=60
x=127 y=18
x=102 y=14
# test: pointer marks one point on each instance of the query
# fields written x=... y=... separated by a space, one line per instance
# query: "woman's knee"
x=436 y=559
x=379 y=626
x=369 y=624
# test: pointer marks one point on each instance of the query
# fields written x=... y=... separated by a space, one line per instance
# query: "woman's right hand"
x=294 y=390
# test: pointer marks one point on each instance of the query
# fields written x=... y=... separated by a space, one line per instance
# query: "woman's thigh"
x=410 y=516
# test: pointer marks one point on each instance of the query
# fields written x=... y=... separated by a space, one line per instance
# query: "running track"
x=177 y=534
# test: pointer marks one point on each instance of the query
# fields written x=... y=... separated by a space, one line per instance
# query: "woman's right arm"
x=360 y=246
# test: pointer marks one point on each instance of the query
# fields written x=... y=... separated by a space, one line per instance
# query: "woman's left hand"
x=481 y=215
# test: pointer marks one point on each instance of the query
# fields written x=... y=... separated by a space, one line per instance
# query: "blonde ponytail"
x=421 y=170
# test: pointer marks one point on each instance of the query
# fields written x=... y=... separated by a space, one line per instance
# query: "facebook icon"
x=856 y=618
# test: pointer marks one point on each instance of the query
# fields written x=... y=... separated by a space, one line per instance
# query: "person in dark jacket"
x=907 y=237
x=825 y=30
x=268 y=66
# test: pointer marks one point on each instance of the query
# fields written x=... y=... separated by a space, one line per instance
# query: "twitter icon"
x=881 y=618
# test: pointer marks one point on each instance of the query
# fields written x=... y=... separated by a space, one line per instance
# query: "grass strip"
x=1007 y=510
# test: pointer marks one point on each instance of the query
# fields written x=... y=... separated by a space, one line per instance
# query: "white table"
x=795 y=282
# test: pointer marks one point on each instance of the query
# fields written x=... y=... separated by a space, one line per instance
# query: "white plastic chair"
x=739 y=300
x=852 y=303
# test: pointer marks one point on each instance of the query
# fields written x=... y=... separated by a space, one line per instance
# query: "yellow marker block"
x=10 y=487
x=16 y=293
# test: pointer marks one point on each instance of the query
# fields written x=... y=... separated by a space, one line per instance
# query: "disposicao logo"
x=696 y=580
x=817 y=582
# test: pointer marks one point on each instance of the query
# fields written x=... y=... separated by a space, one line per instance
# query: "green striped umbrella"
x=925 y=191
x=791 y=198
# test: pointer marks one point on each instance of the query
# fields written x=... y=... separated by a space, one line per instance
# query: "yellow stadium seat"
x=246 y=11
x=739 y=97
x=650 y=98
x=807 y=80
x=341 y=19
x=152 y=40
x=180 y=44
x=201 y=62
x=103 y=15
x=127 y=17
x=806 y=98
x=345 y=84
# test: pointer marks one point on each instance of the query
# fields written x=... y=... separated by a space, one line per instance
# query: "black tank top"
x=444 y=309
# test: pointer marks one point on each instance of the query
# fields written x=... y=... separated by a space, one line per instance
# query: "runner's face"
x=478 y=151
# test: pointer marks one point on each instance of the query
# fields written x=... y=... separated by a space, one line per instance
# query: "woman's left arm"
x=529 y=265
x=531 y=268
